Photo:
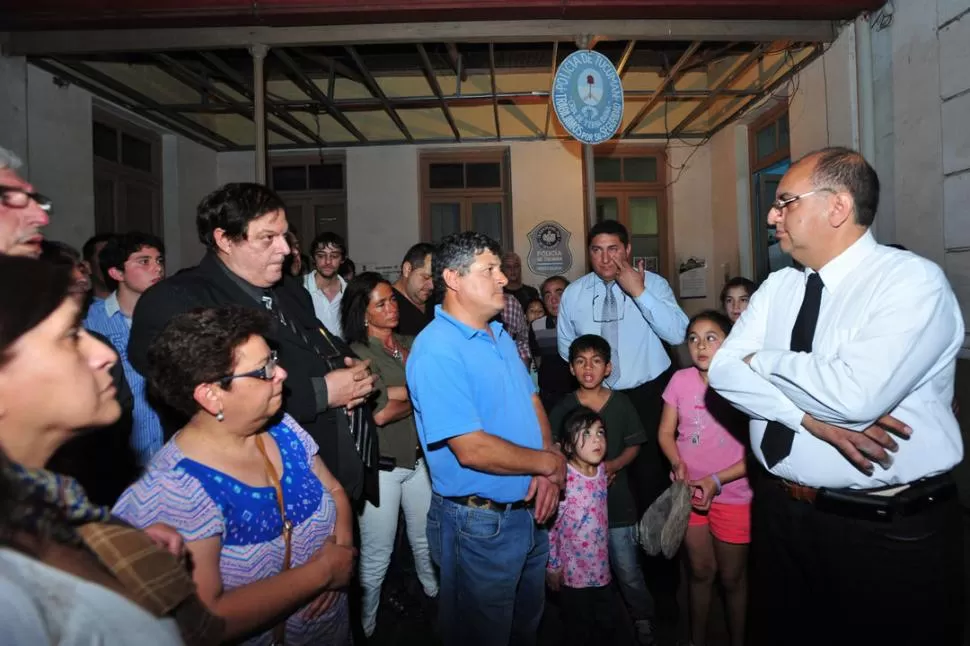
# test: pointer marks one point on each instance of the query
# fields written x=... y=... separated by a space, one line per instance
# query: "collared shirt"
x=106 y=318
x=112 y=307
x=464 y=380
x=328 y=311
x=889 y=329
x=517 y=326
x=644 y=323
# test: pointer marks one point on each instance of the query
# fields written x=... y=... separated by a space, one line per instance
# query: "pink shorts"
x=729 y=523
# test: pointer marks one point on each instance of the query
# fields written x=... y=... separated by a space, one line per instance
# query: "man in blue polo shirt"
x=494 y=470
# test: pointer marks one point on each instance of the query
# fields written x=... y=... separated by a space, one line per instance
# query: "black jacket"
x=209 y=285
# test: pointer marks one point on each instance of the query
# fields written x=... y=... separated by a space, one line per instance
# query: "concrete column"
x=258 y=53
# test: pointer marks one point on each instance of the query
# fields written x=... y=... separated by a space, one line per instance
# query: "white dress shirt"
x=643 y=322
x=889 y=329
x=328 y=311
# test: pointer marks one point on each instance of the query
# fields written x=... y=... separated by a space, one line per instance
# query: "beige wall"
x=382 y=203
x=547 y=184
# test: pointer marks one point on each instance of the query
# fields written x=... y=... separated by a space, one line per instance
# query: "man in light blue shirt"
x=131 y=262
x=636 y=312
x=486 y=439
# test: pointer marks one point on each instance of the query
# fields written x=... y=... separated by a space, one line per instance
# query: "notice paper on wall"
x=693 y=278
x=390 y=272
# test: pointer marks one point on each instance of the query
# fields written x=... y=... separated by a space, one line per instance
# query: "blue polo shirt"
x=464 y=380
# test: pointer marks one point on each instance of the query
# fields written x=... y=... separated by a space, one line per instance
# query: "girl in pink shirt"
x=704 y=453
x=579 y=560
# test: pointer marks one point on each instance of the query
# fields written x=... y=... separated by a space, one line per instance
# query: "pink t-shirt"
x=704 y=444
x=578 y=540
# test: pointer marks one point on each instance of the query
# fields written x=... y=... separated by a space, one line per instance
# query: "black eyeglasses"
x=18 y=198
x=265 y=373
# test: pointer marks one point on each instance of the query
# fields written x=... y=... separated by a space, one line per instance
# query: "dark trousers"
x=589 y=615
x=649 y=477
x=817 y=577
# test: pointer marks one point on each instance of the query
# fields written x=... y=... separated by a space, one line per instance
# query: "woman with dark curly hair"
x=62 y=579
x=369 y=315
x=267 y=525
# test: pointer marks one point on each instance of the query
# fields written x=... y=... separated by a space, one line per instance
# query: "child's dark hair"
x=572 y=429
x=738 y=281
x=588 y=342
x=533 y=302
x=717 y=318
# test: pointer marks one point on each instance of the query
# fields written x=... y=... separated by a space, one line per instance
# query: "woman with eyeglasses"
x=267 y=525
x=369 y=316
x=69 y=573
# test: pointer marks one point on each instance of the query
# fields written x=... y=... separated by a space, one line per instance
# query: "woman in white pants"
x=369 y=315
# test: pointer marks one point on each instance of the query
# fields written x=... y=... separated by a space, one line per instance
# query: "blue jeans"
x=625 y=562
x=492 y=574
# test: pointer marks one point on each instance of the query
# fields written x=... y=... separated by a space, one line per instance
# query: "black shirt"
x=411 y=320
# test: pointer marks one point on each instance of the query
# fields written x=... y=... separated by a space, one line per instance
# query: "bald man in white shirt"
x=856 y=537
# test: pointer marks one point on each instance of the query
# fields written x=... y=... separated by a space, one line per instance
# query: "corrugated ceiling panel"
x=524 y=82
x=522 y=120
x=376 y=126
x=426 y=124
x=475 y=122
x=330 y=130
x=284 y=90
x=664 y=117
x=234 y=127
x=396 y=86
x=150 y=81
x=344 y=88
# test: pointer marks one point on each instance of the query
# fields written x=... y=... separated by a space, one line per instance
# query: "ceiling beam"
x=436 y=88
x=329 y=64
x=374 y=87
x=137 y=98
x=625 y=58
x=311 y=90
x=428 y=102
x=721 y=89
x=491 y=72
x=668 y=81
x=47 y=43
x=180 y=72
x=83 y=83
x=240 y=84
x=784 y=78
x=552 y=80
x=454 y=56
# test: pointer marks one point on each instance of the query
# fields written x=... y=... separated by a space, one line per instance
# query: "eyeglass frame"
x=781 y=204
x=41 y=200
x=266 y=373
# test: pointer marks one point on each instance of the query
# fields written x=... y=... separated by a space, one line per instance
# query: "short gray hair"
x=8 y=160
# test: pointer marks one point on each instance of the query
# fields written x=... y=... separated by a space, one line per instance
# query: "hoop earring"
x=220 y=416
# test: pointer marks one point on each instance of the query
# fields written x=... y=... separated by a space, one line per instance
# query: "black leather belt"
x=868 y=504
x=478 y=502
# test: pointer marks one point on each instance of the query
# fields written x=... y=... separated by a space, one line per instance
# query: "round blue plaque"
x=587 y=96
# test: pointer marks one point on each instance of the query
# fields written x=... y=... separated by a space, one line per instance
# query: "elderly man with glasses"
x=846 y=368
x=22 y=211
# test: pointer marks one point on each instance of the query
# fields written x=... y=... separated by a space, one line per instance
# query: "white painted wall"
x=49 y=127
x=235 y=167
x=547 y=184
x=59 y=154
x=383 y=200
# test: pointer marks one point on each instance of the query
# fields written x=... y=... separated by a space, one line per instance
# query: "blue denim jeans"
x=625 y=562
x=492 y=574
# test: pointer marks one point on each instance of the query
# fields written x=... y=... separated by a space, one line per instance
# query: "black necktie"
x=778 y=438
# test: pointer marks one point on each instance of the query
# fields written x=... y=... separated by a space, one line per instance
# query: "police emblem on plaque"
x=549 y=253
x=587 y=95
